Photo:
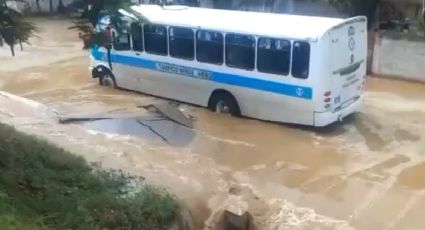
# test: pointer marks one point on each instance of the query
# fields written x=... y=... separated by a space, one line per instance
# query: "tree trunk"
x=12 y=50
x=9 y=38
x=222 y=4
x=51 y=6
x=94 y=15
x=270 y=5
x=37 y=2
x=20 y=44
x=61 y=7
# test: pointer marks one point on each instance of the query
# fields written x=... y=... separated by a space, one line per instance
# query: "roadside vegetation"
x=43 y=187
x=14 y=28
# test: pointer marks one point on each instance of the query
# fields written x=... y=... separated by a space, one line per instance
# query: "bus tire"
x=105 y=76
x=108 y=80
x=224 y=102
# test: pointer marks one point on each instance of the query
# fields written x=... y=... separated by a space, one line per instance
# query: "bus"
x=275 y=67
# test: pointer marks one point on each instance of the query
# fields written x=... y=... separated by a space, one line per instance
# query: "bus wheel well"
x=221 y=95
x=100 y=71
x=105 y=76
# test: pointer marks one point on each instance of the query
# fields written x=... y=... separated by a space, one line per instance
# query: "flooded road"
x=366 y=173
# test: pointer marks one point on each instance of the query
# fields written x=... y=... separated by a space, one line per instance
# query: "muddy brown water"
x=368 y=171
x=150 y=127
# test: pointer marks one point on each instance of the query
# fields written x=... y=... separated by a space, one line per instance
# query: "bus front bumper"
x=327 y=118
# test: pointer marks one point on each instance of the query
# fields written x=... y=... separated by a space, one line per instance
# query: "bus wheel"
x=224 y=102
x=107 y=80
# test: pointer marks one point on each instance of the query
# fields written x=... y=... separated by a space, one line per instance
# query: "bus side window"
x=240 y=51
x=137 y=36
x=301 y=59
x=155 y=39
x=273 y=56
x=182 y=43
x=209 y=47
x=121 y=41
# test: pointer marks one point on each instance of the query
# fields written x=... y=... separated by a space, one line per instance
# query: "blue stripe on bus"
x=230 y=79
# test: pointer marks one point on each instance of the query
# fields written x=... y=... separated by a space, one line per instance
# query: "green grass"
x=43 y=187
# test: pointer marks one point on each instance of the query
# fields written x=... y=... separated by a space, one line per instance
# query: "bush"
x=50 y=188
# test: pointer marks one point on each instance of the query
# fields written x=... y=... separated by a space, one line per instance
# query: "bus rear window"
x=300 y=59
x=273 y=56
x=240 y=51
x=155 y=39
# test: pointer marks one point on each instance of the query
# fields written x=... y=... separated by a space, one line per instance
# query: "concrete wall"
x=399 y=58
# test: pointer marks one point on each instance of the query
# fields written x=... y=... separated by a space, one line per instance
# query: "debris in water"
x=94 y=117
x=152 y=130
x=167 y=110
x=171 y=111
x=148 y=127
x=233 y=214
x=168 y=123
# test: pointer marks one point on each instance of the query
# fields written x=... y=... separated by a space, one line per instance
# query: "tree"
x=89 y=13
x=37 y=2
x=256 y=5
x=13 y=27
x=357 y=7
x=253 y=5
x=61 y=7
x=222 y=4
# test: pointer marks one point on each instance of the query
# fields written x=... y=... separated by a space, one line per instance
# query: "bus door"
x=120 y=54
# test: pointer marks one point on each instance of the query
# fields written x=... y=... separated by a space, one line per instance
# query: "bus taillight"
x=327 y=95
x=327 y=99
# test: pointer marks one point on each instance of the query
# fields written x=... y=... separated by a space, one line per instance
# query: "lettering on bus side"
x=184 y=71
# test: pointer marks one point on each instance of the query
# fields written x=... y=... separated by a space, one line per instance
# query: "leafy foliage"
x=43 y=187
x=87 y=14
x=357 y=7
x=13 y=26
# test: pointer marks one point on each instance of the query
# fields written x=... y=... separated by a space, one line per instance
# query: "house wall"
x=399 y=57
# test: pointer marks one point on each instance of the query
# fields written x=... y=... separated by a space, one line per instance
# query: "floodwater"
x=147 y=127
x=365 y=173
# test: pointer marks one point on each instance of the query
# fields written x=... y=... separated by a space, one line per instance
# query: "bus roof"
x=262 y=24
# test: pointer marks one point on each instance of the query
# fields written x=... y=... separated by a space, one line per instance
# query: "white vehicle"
x=275 y=67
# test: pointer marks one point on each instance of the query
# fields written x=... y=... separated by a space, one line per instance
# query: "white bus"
x=276 y=67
